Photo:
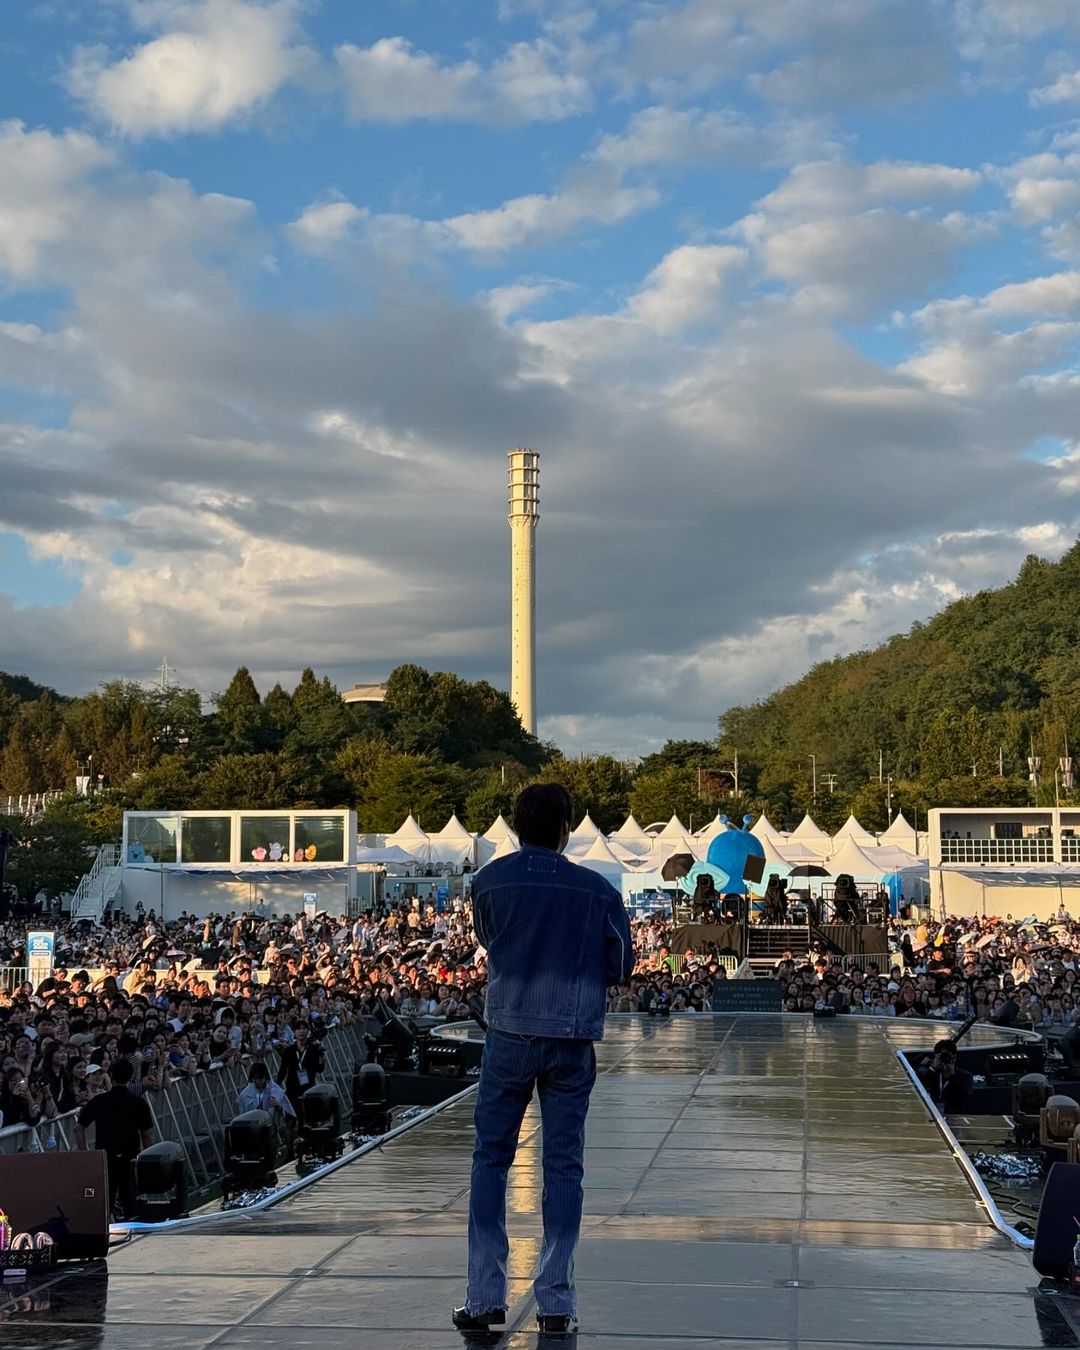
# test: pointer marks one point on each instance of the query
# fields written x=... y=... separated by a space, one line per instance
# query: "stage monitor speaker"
x=63 y=1194
x=1056 y=1229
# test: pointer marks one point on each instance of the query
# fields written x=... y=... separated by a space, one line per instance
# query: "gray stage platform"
x=753 y=1183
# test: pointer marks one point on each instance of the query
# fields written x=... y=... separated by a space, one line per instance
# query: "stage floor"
x=753 y=1183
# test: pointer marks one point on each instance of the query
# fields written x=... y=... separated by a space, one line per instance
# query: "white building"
x=220 y=861
x=1005 y=860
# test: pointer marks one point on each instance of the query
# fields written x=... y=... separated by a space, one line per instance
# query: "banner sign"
x=40 y=950
x=310 y=898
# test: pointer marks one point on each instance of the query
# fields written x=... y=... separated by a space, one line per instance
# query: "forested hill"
x=995 y=672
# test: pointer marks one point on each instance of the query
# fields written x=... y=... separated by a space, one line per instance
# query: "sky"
x=786 y=294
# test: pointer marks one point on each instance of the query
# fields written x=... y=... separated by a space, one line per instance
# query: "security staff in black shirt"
x=123 y=1127
x=947 y=1086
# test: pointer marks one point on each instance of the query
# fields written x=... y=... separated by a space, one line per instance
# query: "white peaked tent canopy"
x=857 y=862
x=600 y=858
x=708 y=834
x=851 y=829
x=806 y=830
x=453 y=829
x=674 y=829
x=900 y=832
x=412 y=839
x=894 y=858
x=387 y=856
x=763 y=829
x=585 y=833
x=773 y=856
x=663 y=849
x=500 y=830
x=633 y=857
x=504 y=847
x=629 y=831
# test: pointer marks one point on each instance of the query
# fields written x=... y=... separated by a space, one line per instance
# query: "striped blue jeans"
x=563 y=1073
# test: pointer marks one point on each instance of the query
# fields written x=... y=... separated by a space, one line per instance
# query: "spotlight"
x=161 y=1182
x=320 y=1123
x=371 y=1110
x=250 y=1152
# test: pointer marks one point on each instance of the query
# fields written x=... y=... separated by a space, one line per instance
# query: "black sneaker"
x=467 y=1321
x=557 y=1324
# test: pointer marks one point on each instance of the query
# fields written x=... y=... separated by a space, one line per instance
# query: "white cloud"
x=680 y=136
x=1065 y=89
x=215 y=62
x=323 y=225
x=391 y=81
x=43 y=176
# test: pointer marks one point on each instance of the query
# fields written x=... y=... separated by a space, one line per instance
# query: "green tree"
x=357 y=762
x=681 y=755
x=599 y=785
x=412 y=784
x=49 y=855
x=242 y=783
x=169 y=786
x=241 y=725
x=21 y=767
x=488 y=798
x=669 y=791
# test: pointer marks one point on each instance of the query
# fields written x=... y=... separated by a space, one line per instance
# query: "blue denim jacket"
x=557 y=935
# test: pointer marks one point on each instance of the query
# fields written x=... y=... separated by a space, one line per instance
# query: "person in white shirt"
x=262 y=1094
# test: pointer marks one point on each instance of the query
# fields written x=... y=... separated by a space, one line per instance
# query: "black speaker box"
x=63 y=1194
x=1056 y=1229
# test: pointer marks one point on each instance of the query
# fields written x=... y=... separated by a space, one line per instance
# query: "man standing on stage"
x=557 y=935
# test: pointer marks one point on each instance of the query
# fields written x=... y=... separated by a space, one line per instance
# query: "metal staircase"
x=766 y=944
x=100 y=886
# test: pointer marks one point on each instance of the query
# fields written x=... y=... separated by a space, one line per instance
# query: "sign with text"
x=310 y=900
x=40 y=950
x=746 y=996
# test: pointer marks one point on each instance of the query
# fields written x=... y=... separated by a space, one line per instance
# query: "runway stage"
x=753 y=1183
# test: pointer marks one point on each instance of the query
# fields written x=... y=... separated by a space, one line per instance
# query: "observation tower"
x=524 y=514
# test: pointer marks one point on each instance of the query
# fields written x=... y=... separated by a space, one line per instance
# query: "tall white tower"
x=524 y=513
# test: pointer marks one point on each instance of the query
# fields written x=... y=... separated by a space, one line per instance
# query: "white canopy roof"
x=500 y=830
x=900 y=832
x=408 y=829
x=629 y=831
x=385 y=856
x=807 y=830
x=708 y=834
x=585 y=833
x=851 y=829
x=663 y=849
x=857 y=862
x=505 y=846
x=453 y=829
x=763 y=829
x=600 y=858
x=674 y=829
x=412 y=839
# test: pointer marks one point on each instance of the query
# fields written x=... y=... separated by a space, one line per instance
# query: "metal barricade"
x=194 y=1112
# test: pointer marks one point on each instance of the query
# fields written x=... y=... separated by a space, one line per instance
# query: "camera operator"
x=947 y=1086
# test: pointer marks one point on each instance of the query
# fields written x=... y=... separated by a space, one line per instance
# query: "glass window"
x=264 y=839
x=322 y=839
x=151 y=839
x=206 y=839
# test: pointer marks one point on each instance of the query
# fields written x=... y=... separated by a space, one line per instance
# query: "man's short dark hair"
x=541 y=813
x=258 y=1070
x=122 y=1072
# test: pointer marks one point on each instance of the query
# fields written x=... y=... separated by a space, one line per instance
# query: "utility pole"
x=881 y=766
x=888 y=796
x=1001 y=762
x=813 y=765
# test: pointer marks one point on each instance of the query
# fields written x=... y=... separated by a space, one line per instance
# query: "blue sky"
x=786 y=295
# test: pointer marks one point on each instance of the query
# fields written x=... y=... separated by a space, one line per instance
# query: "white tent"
x=500 y=830
x=631 y=837
x=600 y=858
x=412 y=839
x=708 y=834
x=902 y=833
x=774 y=857
x=453 y=843
x=391 y=856
x=585 y=833
x=631 y=856
x=663 y=849
x=894 y=858
x=807 y=831
x=851 y=829
x=763 y=829
x=857 y=862
x=674 y=829
x=629 y=831
x=505 y=846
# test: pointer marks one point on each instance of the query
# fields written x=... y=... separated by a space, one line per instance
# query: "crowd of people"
x=182 y=998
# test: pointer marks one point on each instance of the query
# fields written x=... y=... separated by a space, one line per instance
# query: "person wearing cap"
x=123 y=1126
